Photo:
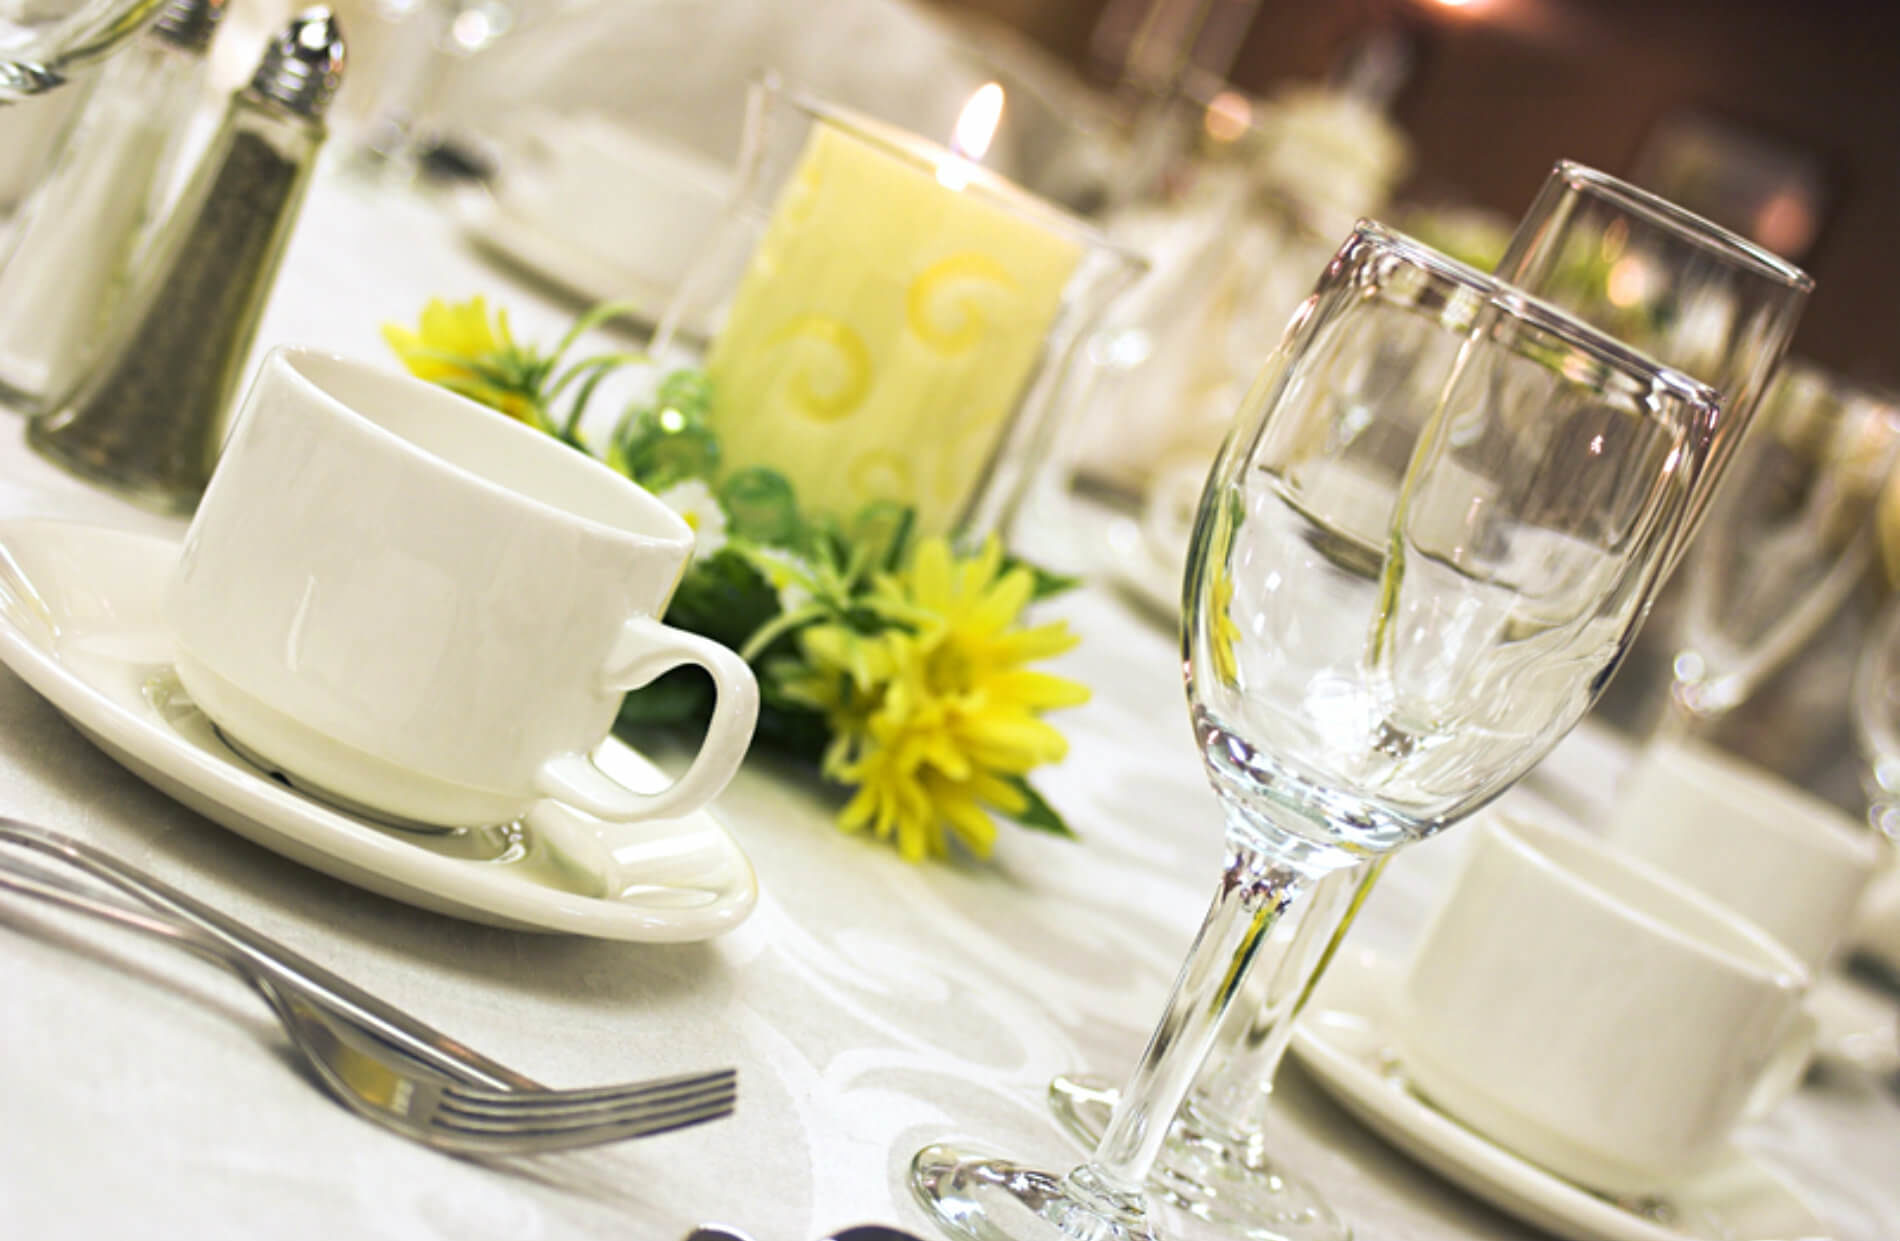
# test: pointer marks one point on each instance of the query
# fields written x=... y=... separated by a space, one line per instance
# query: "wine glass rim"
x=1014 y=197
x=1547 y=317
x=1694 y=228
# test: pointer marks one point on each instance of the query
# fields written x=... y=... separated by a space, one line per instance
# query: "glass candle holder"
x=888 y=321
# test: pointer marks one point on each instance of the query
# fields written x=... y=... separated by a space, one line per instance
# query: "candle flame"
x=976 y=124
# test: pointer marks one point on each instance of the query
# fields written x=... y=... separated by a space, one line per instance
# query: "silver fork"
x=481 y=1120
x=379 y=1062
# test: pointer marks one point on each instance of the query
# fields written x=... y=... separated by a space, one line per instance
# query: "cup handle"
x=1785 y=1067
x=646 y=648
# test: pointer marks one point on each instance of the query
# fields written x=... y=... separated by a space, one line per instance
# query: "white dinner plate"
x=1344 y=1039
x=582 y=273
x=80 y=622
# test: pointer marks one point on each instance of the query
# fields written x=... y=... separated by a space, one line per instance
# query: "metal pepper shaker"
x=150 y=421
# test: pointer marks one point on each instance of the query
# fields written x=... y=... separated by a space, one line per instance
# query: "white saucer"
x=1343 y=1041
x=80 y=623
x=582 y=273
x=1856 y=1025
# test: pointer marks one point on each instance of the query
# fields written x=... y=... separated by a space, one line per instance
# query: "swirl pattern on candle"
x=882 y=475
x=830 y=373
x=944 y=306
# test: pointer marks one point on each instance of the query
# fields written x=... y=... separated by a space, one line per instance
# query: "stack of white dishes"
x=598 y=208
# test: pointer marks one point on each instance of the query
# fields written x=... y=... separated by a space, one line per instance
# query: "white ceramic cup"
x=1776 y=854
x=419 y=608
x=1590 y=1014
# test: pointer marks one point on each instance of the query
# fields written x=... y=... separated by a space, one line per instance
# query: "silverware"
x=231 y=943
x=370 y=1056
x=481 y=1120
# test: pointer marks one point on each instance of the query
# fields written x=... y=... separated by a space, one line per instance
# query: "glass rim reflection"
x=1685 y=224
x=1543 y=315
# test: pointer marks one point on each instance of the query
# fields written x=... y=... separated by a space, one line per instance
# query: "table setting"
x=644 y=697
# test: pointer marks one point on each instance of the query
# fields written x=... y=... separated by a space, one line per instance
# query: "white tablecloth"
x=871 y=1007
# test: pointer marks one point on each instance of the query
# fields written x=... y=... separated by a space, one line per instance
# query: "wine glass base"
x=977 y=1197
x=1230 y=1184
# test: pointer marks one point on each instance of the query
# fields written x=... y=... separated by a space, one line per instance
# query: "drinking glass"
x=1677 y=288
x=43 y=41
x=1790 y=534
x=1876 y=708
x=424 y=40
x=1390 y=614
x=1670 y=284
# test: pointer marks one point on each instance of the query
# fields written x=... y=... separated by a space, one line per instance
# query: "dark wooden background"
x=1503 y=88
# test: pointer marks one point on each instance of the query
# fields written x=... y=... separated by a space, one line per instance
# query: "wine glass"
x=1680 y=289
x=1676 y=287
x=1789 y=536
x=1390 y=615
x=425 y=40
x=43 y=41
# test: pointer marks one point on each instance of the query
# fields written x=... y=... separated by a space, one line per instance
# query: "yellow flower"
x=459 y=347
x=933 y=725
x=1221 y=629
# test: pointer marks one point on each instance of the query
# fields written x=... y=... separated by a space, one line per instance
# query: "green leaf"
x=680 y=695
x=1039 y=816
x=660 y=447
x=602 y=312
x=760 y=505
x=683 y=698
x=881 y=534
x=688 y=391
x=724 y=598
x=794 y=730
x=1048 y=583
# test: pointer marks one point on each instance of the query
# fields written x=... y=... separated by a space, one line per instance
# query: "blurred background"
x=1779 y=120
x=1230 y=141
x=1799 y=104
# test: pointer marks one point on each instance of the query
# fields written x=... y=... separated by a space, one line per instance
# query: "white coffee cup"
x=422 y=609
x=1590 y=1014
x=1776 y=854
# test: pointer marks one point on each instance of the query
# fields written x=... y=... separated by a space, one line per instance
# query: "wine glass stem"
x=1257 y=890
x=1230 y=1099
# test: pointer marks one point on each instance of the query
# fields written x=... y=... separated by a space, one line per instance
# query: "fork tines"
x=475 y=1117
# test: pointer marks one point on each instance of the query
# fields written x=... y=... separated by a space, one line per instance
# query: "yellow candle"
x=885 y=329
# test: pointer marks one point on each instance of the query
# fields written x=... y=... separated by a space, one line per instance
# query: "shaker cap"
x=189 y=23
x=303 y=66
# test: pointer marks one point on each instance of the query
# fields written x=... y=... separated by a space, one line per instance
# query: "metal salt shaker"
x=150 y=421
x=79 y=233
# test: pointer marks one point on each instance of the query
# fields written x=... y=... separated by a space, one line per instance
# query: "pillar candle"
x=886 y=327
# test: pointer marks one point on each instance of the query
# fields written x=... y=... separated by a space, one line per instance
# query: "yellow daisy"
x=461 y=348
x=934 y=725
